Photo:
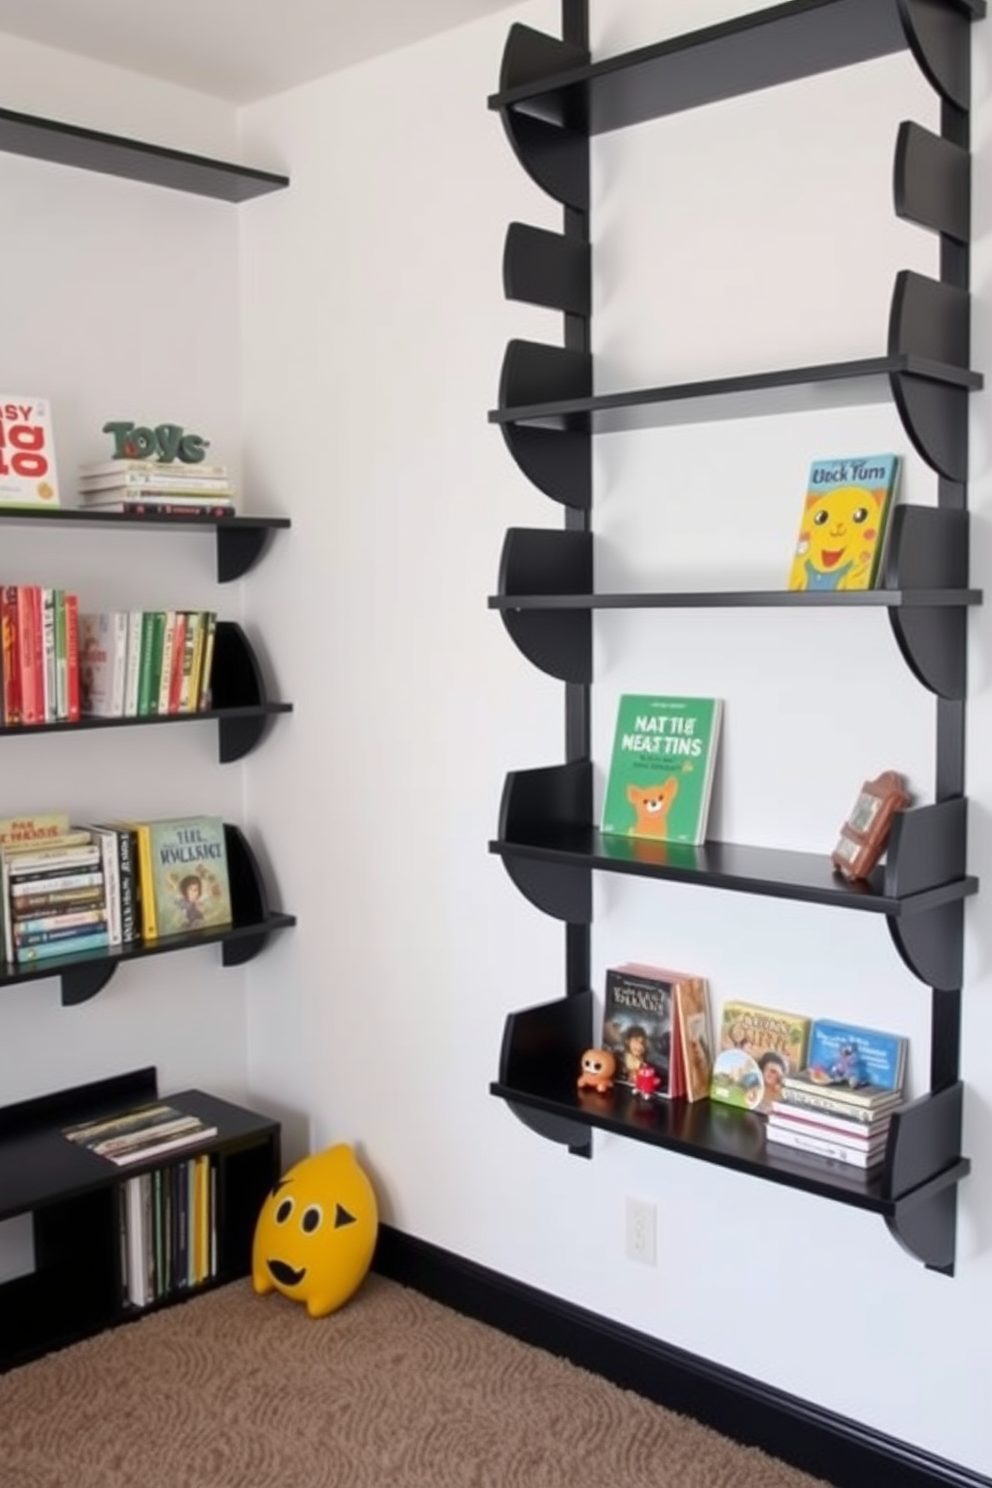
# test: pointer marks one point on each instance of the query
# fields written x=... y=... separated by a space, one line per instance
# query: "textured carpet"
x=393 y=1391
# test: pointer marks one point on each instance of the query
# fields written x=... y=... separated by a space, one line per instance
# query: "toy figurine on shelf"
x=598 y=1069
x=646 y=1081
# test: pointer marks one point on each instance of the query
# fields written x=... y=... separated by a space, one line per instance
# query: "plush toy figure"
x=316 y=1232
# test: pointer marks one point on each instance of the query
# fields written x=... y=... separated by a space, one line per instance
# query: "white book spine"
x=132 y=671
x=854 y=1157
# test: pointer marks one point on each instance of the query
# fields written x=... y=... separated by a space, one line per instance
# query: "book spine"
x=151 y=480
x=72 y=657
x=68 y=947
x=61 y=667
x=855 y=1158
x=107 y=840
x=159 y=620
x=146 y=878
x=62 y=920
x=9 y=656
x=165 y=677
x=132 y=671
x=54 y=880
x=188 y=509
x=38 y=651
x=177 y=660
x=49 y=659
x=24 y=906
x=189 y=660
x=147 y=664
x=26 y=663
x=206 y=682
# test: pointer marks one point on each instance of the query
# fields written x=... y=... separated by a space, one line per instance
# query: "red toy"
x=598 y=1068
x=646 y=1081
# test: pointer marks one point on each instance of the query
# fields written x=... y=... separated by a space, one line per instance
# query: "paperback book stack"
x=840 y=1106
x=144 y=488
x=54 y=889
x=135 y=663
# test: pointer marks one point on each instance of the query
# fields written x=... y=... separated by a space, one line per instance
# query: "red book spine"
x=72 y=656
x=11 y=711
x=178 y=652
x=28 y=630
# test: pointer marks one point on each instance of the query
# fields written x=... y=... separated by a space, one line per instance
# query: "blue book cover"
x=842 y=1054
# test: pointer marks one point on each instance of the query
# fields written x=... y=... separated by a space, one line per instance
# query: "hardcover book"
x=184 y=869
x=855 y=1059
x=661 y=768
x=844 y=523
x=656 y=1017
x=27 y=453
x=758 y=1048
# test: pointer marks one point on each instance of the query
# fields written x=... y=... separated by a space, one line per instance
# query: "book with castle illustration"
x=844 y=523
x=661 y=769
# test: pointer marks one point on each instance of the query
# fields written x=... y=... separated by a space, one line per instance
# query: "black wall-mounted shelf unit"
x=73 y=1198
x=133 y=160
x=552 y=99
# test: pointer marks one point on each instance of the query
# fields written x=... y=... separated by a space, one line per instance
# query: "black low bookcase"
x=552 y=98
x=77 y=1286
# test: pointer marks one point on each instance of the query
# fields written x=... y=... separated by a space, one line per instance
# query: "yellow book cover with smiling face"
x=844 y=523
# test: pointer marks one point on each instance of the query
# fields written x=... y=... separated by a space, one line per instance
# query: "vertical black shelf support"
x=236 y=681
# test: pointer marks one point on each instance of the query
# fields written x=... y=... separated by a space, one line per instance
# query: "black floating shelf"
x=241 y=541
x=545 y=598
x=241 y=709
x=84 y=975
x=609 y=413
x=133 y=160
x=544 y=820
x=778 y=45
x=912 y=1190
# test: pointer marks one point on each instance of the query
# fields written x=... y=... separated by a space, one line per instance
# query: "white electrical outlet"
x=642 y=1231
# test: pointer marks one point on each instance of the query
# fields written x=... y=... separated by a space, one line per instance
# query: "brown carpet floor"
x=393 y=1391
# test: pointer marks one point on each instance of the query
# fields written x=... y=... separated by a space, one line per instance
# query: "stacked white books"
x=157 y=488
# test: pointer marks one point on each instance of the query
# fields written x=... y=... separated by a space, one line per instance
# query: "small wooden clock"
x=864 y=835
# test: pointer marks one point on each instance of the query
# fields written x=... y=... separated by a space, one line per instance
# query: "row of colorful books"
x=826 y=1087
x=68 y=888
x=136 y=663
x=39 y=660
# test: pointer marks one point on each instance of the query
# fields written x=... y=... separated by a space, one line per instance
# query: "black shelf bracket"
x=925 y=1139
x=557 y=460
x=928 y=549
x=557 y=794
x=542 y=561
x=237 y=681
x=939 y=38
x=929 y=318
x=249 y=899
x=239 y=548
x=555 y=156
x=547 y=268
x=932 y=182
x=80 y=983
x=931 y=945
x=535 y=1038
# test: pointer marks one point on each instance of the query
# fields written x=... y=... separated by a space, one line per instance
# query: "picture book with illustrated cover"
x=185 y=869
x=27 y=452
x=853 y=1058
x=638 y=1020
x=758 y=1048
x=844 y=523
x=661 y=768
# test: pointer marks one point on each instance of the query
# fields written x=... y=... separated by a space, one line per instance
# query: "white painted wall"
x=752 y=234
x=373 y=329
x=120 y=300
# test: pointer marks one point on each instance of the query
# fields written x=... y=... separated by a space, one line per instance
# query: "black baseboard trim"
x=828 y=1446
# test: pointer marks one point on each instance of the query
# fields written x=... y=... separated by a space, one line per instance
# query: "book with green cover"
x=661 y=769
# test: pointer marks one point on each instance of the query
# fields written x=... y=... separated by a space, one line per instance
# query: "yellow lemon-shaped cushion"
x=316 y=1231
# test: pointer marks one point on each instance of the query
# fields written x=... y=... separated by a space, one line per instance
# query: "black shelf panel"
x=107 y=959
x=133 y=160
x=775 y=872
x=608 y=413
x=715 y=1133
x=744 y=599
x=781 y=44
x=217 y=715
x=241 y=540
x=39 y=1166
